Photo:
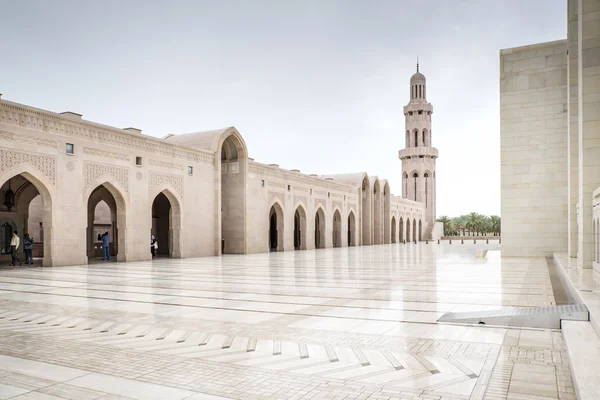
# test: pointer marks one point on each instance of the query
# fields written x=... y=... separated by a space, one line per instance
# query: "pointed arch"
x=46 y=189
x=365 y=204
x=414 y=230
x=401 y=229
x=175 y=214
x=420 y=235
x=408 y=235
x=231 y=158
x=108 y=189
x=393 y=228
x=275 y=226
x=337 y=228
x=300 y=228
x=386 y=212
x=320 y=221
x=377 y=227
x=351 y=228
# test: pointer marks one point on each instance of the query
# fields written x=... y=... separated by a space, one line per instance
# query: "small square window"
x=262 y=183
x=344 y=197
x=311 y=192
x=420 y=112
x=138 y=161
x=70 y=148
x=190 y=170
x=328 y=194
x=289 y=188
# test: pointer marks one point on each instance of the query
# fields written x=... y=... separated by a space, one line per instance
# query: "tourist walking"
x=153 y=245
x=28 y=248
x=15 y=242
x=105 y=246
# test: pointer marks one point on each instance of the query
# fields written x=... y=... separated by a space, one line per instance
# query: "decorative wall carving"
x=234 y=167
x=70 y=166
x=139 y=176
x=165 y=164
x=157 y=179
x=46 y=164
x=301 y=199
x=29 y=118
x=300 y=189
x=277 y=185
x=28 y=140
x=106 y=154
x=318 y=203
x=337 y=196
x=337 y=204
x=279 y=196
x=94 y=170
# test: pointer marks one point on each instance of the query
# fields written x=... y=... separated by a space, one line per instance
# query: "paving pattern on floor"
x=351 y=323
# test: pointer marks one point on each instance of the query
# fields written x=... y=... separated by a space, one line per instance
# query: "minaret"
x=418 y=156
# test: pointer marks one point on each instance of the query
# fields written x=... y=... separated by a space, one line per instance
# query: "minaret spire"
x=417 y=63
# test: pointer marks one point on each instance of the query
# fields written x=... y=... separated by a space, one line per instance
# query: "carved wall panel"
x=46 y=164
x=157 y=179
x=106 y=154
x=94 y=170
x=11 y=137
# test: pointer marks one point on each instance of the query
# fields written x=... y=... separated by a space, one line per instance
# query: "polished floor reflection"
x=351 y=323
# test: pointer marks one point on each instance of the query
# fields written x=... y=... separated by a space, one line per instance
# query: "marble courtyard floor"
x=345 y=323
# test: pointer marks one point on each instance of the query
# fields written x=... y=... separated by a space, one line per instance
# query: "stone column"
x=588 y=122
x=572 y=125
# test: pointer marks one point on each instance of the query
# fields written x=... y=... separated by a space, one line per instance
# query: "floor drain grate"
x=530 y=317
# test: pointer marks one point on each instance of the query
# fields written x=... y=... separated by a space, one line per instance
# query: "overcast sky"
x=313 y=85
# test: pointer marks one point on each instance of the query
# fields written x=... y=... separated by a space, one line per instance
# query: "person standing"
x=28 y=248
x=105 y=246
x=153 y=245
x=15 y=242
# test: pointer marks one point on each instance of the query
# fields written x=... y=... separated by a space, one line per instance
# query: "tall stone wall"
x=533 y=141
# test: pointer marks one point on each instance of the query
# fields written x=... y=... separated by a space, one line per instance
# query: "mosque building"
x=65 y=181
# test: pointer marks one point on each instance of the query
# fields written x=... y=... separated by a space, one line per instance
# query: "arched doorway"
x=105 y=210
x=387 y=229
x=300 y=229
x=319 y=229
x=366 y=212
x=408 y=230
x=26 y=207
x=377 y=226
x=337 y=229
x=393 y=229
x=420 y=230
x=161 y=225
x=401 y=230
x=233 y=195
x=414 y=231
x=351 y=229
x=276 y=228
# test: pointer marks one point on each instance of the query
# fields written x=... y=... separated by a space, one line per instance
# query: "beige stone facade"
x=199 y=194
x=550 y=142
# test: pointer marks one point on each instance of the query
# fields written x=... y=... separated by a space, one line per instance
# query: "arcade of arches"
x=198 y=194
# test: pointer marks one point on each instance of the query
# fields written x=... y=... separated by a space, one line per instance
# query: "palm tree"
x=446 y=221
x=472 y=221
x=495 y=224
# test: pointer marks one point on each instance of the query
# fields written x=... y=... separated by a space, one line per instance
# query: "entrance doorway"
x=26 y=207
x=300 y=229
x=351 y=229
x=319 y=229
x=276 y=228
x=337 y=229
x=162 y=225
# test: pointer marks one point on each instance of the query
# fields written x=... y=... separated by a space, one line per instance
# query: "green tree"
x=495 y=224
